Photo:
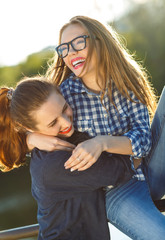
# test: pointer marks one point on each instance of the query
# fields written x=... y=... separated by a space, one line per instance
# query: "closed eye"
x=53 y=123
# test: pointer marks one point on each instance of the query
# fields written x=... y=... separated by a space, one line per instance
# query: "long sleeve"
x=139 y=133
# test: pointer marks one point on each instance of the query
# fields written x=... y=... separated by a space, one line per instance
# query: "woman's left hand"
x=85 y=155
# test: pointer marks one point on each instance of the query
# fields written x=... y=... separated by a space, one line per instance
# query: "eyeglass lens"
x=77 y=44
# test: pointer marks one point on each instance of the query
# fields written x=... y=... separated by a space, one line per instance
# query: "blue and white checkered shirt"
x=130 y=119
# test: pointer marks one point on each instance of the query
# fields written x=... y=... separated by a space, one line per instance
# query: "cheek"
x=55 y=130
x=84 y=52
x=52 y=131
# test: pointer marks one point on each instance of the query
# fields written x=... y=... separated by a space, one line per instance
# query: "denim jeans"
x=129 y=206
x=155 y=162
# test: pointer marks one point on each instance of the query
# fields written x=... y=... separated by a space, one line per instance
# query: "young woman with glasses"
x=111 y=96
x=71 y=205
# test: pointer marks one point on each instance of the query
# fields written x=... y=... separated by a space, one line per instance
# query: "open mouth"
x=78 y=62
x=66 y=130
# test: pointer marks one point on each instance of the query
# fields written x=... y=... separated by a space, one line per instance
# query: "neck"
x=91 y=83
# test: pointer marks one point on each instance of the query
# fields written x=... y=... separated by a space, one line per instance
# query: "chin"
x=70 y=133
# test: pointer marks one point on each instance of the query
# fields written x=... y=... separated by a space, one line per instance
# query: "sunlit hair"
x=113 y=61
x=16 y=114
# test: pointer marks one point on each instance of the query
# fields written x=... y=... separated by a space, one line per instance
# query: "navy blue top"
x=71 y=205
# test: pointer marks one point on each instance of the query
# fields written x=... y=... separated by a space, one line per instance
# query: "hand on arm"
x=87 y=153
x=47 y=143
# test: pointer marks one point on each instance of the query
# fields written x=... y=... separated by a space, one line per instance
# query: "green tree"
x=143 y=28
x=35 y=64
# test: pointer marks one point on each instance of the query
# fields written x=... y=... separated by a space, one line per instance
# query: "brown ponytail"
x=13 y=146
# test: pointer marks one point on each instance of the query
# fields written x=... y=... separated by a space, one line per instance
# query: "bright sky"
x=28 y=26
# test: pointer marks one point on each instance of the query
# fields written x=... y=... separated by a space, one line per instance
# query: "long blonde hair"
x=115 y=62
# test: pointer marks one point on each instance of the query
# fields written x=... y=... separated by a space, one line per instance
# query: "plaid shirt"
x=130 y=119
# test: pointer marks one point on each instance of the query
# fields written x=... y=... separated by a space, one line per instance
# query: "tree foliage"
x=144 y=30
x=34 y=64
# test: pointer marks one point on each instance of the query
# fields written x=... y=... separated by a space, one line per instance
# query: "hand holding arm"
x=87 y=153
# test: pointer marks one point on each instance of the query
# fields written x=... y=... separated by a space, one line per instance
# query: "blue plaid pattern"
x=130 y=119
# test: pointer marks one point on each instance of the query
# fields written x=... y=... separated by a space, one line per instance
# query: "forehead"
x=72 y=31
x=52 y=107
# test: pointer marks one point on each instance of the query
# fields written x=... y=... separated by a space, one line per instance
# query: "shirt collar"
x=76 y=85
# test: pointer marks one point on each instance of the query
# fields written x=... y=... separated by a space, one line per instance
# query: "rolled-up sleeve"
x=139 y=133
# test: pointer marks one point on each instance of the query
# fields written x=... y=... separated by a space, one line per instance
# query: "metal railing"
x=20 y=232
x=32 y=230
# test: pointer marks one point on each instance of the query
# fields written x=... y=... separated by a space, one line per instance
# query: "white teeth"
x=78 y=62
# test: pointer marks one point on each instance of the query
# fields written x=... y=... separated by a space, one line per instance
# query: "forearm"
x=46 y=142
x=108 y=170
x=115 y=144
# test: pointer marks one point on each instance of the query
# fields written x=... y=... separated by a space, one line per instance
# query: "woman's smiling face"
x=54 y=117
x=75 y=60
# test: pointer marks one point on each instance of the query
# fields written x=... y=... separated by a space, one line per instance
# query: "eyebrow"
x=72 y=39
x=63 y=110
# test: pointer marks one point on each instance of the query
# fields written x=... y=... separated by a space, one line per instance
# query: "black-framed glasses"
x=78 y=44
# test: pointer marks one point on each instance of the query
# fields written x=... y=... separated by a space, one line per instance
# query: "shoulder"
x=51 y=161
x=47 y=168
x=71 y=85
x=37 y=166
x=67 y=82
x=43 y=161
x=37 y=157
x=116 y=94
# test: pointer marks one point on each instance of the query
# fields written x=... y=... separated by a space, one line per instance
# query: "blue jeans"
x=130 y=207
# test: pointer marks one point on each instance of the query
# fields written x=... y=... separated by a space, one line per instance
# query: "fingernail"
x=71 y=169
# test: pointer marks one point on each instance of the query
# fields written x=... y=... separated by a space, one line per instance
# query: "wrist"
x=102 y=142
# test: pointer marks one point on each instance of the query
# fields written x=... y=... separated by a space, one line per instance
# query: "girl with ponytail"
x=70 y=205
x=16 y=108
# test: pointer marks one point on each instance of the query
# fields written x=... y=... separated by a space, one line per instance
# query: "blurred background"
x=29 y=34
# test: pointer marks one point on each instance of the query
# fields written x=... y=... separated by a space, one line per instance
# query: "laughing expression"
x=55 y=117
x=75 y=60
